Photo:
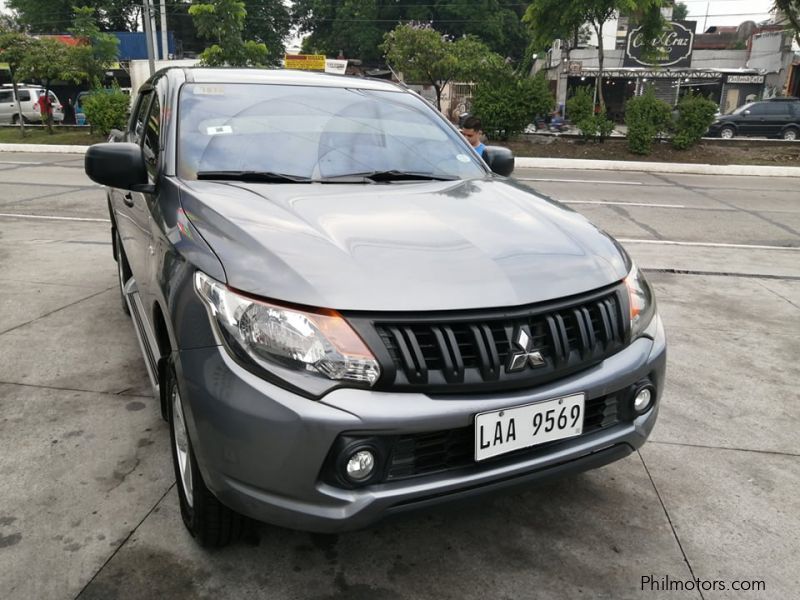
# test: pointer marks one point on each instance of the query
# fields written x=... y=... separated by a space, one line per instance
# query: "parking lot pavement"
x=88 y=506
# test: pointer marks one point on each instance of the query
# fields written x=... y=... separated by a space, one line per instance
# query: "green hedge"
x=106 y=109
x=507 y=104
x=695 y=115
x=646 y=117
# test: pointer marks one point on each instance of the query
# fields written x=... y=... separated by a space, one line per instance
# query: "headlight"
x=318 y=343
x=641 y=300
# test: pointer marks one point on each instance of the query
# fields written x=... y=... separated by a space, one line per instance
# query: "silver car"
x=29 y=103
x=346 y=313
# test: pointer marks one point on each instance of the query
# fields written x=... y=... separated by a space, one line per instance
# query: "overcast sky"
x=720 y=12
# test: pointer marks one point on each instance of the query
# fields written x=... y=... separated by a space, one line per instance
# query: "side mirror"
x=117 y=165
x=747 y=112
x=499 y=159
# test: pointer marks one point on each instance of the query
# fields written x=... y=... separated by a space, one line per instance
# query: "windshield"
x=315 y=133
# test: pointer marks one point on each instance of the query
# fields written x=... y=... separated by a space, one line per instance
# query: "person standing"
x=472 y=129
x=69 y=112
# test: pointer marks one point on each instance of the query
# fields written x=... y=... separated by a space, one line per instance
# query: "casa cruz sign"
x=674 y=46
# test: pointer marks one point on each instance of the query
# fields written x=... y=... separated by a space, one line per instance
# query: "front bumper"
x=261 y=449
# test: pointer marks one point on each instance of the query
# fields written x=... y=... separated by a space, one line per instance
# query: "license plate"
x=501 y=431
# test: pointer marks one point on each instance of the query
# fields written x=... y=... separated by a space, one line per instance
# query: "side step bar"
x=144 y=333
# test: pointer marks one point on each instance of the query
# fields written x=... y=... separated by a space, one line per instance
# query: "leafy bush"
x=581 y=105
x=695 y=115
x=604 y=126
x=106 y=109
x=507 y=103
x=580 y=110
x=646 y=117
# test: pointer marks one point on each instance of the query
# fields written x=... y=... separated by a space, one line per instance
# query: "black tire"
x=791 y=134
x=123 y=271
x=727 y=132
x=209 y=521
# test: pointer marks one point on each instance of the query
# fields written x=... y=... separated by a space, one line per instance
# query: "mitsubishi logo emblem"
x=517 y=360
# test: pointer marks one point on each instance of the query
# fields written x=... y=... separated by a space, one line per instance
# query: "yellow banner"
x=306 y=62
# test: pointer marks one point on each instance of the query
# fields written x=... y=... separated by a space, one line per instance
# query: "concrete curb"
x=43 y=148
x=523 y=162
x=654 y=167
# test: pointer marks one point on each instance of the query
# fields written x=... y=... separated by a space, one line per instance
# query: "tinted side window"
x=24 y=96
x=137 y=124
x=758 y=109
x=777 y=108
x=6 y=97
x=152 y=136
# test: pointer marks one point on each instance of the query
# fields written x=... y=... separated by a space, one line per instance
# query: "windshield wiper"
x=260 y=176
x=394 y=175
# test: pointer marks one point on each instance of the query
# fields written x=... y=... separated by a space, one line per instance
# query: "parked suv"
x=346 y=314
x=778 y=117
x=29 y=102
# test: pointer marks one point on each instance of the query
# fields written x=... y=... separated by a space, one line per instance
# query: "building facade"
x=732 y=69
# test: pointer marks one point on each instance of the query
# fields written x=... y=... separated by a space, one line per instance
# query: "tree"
x=268 y=22
x=426 y=56
x=356 y=27
x=562 y=19
x=55 y=16
x=47 y=60
x=680 y=11
x=97 y=51
x=790 y=9
x=223 y=21
x=13 y=50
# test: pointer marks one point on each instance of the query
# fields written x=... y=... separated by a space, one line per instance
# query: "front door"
x=130 y=209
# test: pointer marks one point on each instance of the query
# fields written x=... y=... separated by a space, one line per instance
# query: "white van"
x=28 y=98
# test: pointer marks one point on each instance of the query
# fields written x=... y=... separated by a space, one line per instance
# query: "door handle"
x=128 y=199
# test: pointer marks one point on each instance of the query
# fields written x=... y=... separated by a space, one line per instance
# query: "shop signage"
x=759 y=79
x=306 y=62
x=575 y=67
x=675 y=46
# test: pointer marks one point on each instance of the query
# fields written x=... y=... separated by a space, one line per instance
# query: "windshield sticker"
x=219 y=129
x=463 y=158
x=208 y=90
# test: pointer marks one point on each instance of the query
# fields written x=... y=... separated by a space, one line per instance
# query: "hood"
x=400 y=246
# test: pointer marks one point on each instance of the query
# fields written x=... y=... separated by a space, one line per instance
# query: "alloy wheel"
x=182 y=446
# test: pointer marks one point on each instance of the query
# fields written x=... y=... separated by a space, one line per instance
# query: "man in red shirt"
x=45 y=107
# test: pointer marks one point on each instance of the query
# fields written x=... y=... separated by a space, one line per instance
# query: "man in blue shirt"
x=471 y=129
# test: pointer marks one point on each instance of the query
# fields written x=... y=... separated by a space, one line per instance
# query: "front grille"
x=472 y=351
x=427 y=453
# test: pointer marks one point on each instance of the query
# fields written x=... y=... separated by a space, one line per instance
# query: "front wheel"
x=790 y=134
x=210 y=522
x=727 y=133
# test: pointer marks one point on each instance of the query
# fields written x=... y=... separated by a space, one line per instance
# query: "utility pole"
x=153 y=28
x=164 y=41
x=148 y=35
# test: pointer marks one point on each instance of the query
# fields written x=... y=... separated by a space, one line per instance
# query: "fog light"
x=643 y=400
x=360 y=465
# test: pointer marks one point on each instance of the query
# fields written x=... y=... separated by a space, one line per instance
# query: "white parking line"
x=579 y=180
x=51 y=218
x=18 y=162
x=614 y=203
x=708 y=244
